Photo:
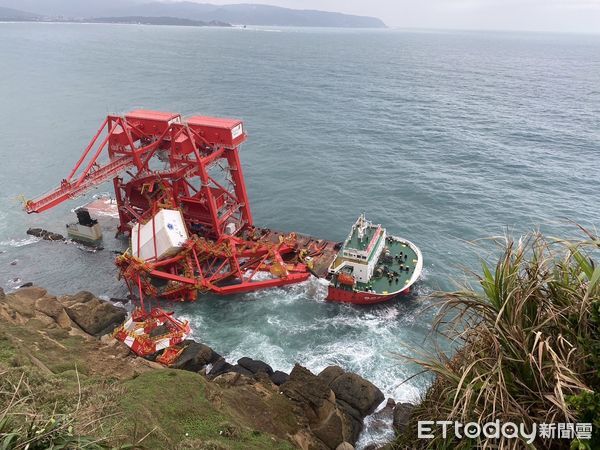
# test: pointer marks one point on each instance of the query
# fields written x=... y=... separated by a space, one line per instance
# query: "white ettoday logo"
x=489 y=430
x=508 y=430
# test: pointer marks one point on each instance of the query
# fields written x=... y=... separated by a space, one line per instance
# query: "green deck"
x=382 y=285
x=355 y=243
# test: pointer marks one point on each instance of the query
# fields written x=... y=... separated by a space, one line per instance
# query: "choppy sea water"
x=444 y=137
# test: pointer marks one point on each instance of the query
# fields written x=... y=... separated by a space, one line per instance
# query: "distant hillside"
x=250 y=14
x=158 y=21
x=243 y=14
x=16 y=14
x=69 y=8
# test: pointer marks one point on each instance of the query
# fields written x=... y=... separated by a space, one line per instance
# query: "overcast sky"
x=534 y=15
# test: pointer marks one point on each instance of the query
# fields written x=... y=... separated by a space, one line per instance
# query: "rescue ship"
x=373 y=266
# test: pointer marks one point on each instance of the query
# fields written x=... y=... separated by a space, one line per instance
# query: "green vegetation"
x=529 y=347
x=170 y=408
x=38 y=413
x=63 y=391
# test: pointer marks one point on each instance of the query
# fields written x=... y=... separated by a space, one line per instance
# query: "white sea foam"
x=20 y=242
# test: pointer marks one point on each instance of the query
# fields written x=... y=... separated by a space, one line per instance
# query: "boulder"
x=355 y=419
x=255 y=366
x=345 y=446
x=402 y=413
x=94 y=316
x=23 y=300
x=80 y=297
x=350 y=410
x=2 y=294
x=219 y=368
x=37 y=232
x=31 y=292
x=331 y=373
x=326 y=421
x=242 y=371
x=278 y=377
x=359 y=393
x=194 y=357
x=51 y=307
x=53 y=237
x=380 y=421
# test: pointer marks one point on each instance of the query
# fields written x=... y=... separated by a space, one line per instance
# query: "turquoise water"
x=445 y=138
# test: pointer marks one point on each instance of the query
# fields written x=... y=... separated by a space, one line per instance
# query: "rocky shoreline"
x=328 y=409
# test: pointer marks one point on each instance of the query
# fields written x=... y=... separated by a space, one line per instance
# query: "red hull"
x=360 y=298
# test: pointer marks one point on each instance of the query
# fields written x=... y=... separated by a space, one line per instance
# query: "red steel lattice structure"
x=158 y=160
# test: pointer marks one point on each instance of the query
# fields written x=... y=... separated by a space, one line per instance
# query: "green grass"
x=7 y=351
x=71 y=394
x=169 y=409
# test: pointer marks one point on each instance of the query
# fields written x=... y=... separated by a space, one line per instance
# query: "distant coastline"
x=184 y=14
x=129 y=20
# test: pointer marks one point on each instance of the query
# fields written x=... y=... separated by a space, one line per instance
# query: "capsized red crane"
x=158 y=160
x=189 y=170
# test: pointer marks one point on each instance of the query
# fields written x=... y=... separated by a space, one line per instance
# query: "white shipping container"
x=169 y=234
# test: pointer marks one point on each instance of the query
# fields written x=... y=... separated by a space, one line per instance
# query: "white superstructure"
x=361 y=250
x=162 y=236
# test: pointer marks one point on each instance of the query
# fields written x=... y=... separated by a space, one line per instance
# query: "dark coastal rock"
x=14 y=263
x=219 y=368
x=255 y=366
x=350 y=410
x=37 y=232
x=355 y=420
x=402 y=414
x=357 y=396
x=2 y=294
x=379 y=422
x=278 y=377
x=359 y=393
x=92 y=315
x=242 y=371
x=53 y=237
x=327 y=421
x=195 y=357
x=26 y=285
x=331 y=373
x=45 y=234
x=51 y=307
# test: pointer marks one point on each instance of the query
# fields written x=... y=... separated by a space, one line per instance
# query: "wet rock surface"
x=362 y=395
x=195 y=357
x=330 y=419
x=278 y=377
x=332 y=405
x=92 y=315
x=45 y=234
x=402 y=413
x=255 y=366
x=219 y=368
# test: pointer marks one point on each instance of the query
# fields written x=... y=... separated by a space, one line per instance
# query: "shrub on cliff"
x=529 y=347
